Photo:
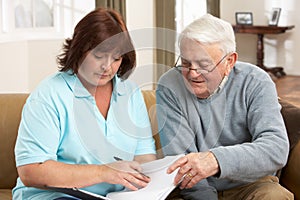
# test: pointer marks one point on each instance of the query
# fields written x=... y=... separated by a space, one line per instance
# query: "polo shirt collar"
x=119 y=86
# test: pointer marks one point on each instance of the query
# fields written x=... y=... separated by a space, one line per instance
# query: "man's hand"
x=193 y=168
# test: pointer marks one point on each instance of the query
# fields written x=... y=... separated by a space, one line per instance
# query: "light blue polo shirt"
x=61 y=121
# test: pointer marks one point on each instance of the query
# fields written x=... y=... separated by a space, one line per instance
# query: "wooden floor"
x=288 y=88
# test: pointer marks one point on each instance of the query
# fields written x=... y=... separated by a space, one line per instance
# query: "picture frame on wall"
x=275 y=14
x=244 y=18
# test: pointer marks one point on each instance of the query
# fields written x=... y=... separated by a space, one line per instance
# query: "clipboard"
x=75 y=192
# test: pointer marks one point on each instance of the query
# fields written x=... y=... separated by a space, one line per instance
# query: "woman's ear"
x=230 y=61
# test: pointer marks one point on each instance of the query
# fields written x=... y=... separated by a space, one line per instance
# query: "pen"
x=120 y=159
x=117 y=158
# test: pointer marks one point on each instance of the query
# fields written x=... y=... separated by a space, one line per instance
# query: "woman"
x=77 y=120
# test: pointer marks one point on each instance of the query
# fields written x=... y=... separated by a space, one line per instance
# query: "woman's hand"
x=193 y=168
x=126 y=173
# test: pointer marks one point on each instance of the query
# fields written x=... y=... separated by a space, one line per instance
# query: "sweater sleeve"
x=175 y=133
x=268 y=149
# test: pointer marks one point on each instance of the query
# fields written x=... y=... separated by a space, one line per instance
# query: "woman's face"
x=99 y=68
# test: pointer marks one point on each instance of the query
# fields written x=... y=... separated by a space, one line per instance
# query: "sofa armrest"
x=291 y=117
x=290 y=174
x=10 y=114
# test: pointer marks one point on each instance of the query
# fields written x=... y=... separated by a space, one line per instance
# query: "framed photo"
x=243 y=18
x=274 y=16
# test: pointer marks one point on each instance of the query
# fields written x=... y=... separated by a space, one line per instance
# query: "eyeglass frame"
x=198 y=69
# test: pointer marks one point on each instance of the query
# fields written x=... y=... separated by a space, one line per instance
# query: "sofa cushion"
x=5 y=194
x=150 y=101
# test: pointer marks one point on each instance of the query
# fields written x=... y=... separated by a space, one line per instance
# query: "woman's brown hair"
x=101 y=27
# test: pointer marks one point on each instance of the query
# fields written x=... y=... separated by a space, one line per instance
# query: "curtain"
x=118 y=5
x=213 y=7
x=165 y=36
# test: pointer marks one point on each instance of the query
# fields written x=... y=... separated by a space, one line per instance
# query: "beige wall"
x=42 y=60
x=25 y=63
x=139 y=18
x=281 y=49
x=14 y=73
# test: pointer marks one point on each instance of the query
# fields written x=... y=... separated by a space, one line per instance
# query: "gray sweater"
x=241 y=124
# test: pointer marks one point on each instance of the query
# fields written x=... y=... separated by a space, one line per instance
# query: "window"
x=40 y=19
x=187 y=11
x=33 y=13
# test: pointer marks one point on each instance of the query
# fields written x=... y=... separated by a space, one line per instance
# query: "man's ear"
x=230 y=62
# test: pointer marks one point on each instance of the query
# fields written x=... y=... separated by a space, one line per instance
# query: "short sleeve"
x=38 y=135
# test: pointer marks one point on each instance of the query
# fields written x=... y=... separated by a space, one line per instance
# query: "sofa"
x=10 y=114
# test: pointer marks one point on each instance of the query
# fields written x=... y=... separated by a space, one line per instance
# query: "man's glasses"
x=199 y=70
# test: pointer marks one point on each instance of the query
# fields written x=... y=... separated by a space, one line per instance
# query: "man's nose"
x=193 y=69
x=193 y=72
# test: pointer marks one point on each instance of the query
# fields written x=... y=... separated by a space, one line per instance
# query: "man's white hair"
x=211 y=30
